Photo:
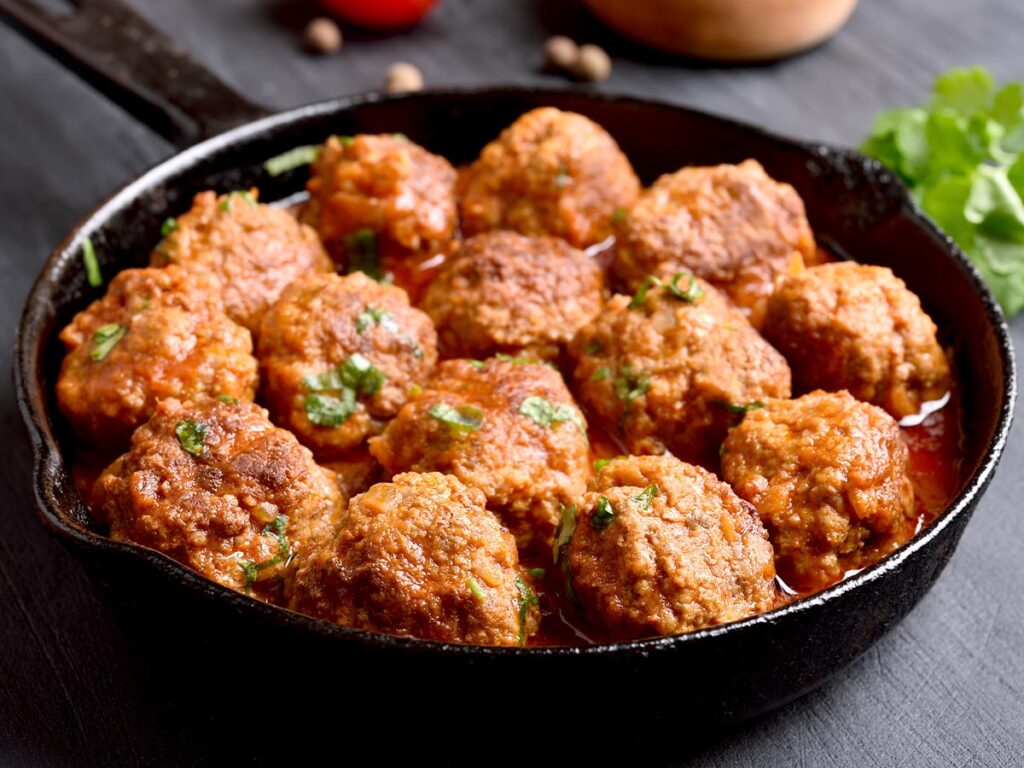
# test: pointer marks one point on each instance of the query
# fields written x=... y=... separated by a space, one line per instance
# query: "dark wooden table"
x=79 y=687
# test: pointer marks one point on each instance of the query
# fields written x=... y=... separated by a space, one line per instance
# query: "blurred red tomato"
x=381 y=14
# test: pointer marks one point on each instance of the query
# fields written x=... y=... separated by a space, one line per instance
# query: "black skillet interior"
x=854 y=206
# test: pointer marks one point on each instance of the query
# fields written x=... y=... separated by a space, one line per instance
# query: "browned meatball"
x=503 y=292
x=856 y=327
x=381 y=187
x=420 y=556
x=339 y=356
x=828 y=475
x=662 y=547
x=732 y=225
x=549 y=173
x=256 y=250
x=220 y=489
x=156 y=333
x=508 y=427
x=670 y=369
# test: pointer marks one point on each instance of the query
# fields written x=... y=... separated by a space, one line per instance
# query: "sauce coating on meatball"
x=662 y=547
x=420 y=556
x=732 y=225
x=671 y=368
x=509 y=427
x=828 y=475
x=220 y=489
x=256 y=250
x=858 y=327
x=503 y=292
x=549 y=173
x=157 y=333
x=339 y=356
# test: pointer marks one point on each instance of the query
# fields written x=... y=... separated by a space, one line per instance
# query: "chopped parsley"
x=292 y=159
x=92 y=264
x=690 y=294
x=562 y=179
x=192 y=436
x=225 y=204
x=333 y=393
x=631 y=384
x=600 y=374
x=544 y=413
x=478 y=364
x=604 y=512
x=619 y=215
x=756 y=405
x=228 y=399
x=169 y=227
x=363 y=255
x=600 y=464
x=564 y=530
x=346 y=141
x=465 y=418
x=537 y=573
x=328 y=410
x=527 y=599
x=475 y=589
x=646 y=496
x=372 y=316
x=252 y=570
x=105 y=339
x=593 y=347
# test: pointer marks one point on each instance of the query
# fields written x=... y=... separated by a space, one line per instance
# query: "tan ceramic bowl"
x=727 y=30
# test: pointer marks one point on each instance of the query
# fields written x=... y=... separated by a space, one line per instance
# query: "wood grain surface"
x=79 y=684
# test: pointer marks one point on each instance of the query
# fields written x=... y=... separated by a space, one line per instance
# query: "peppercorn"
x=404 y=77
x=592 y=64
x=322 y=36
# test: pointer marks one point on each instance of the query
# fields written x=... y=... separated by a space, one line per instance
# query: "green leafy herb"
x=192 y=436
x=690 y=294
x=92 y=264
x=334 y=392
x=619 y=215
x=601 y=374
x=631 y=384
x=478 y=364
x=962 y=156
x=228 y=399
x=562 y=179
x=544 y=413
x=169 y=227
x=646 y=497
x=739 y=409
x=593 y=347
x=604 y=512
x=564 y=530
x=600 y=464
x=465 y=418
x=346 y=141
x=253 y=571
x=537 y=573
x=400 y=136
x=292 y=159
x=527 y=599
x=105 y=339
x=245 y=194
x=362 y=253
x=328 y=410
x=475 y=589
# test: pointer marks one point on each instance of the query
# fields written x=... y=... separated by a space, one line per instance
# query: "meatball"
x=384 y=187
x=339 y=356
x=503 y=292
x=420 y=556
x=828 y=475
x=156 y=333
x=732 y=225
x=856 y=327
x=508 y=427
x=549 y=173
x=662 y=547
x=220 y=489
x=672 y=368
x=256 y=250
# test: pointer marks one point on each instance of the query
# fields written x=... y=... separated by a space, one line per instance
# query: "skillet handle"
x=135 y=65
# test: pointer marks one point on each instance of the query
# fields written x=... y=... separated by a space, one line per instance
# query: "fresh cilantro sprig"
x=962 y=155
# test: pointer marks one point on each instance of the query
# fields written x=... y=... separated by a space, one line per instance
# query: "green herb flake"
x=478 y=593
x=756 y=405
x=292 y=159
x=105 y=339
x=478 y=364
x=169 y=227
x=562 y=178
x=593 y=347
x=544 y=413
x=464 y=418
x=346 y=141
x=372 y=316
x=691 y=294
x=646 y=496
x=245 y=194
x=962 y=156
x=527 y=599
x=564 y=530
x=631 y=384
x=328 y=410
x=92 y=264
x=537 y=573
x=619 y=215
x=601 y=374
x=604 y=512
x=192 y=436
x=253 y=571
x=354 y=378
x=363 y=255
x=400 y=136
x=228 y=399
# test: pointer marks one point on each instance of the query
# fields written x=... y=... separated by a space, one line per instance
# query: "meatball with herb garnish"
x=220 y=489
x=858 y=327
x=732 y=225
x=671 y=368
x=339 y=357
x=503 y=292
x=661 y=547
x=157 y=333
x=507 y=426
x=256 y=250
x=420 y=556
x=369 y=192
x=549 y=173
x=828 y=475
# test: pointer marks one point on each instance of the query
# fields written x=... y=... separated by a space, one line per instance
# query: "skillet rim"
x=47 y=459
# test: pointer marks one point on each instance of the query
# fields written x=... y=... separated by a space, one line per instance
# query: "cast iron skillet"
x=720 y=674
